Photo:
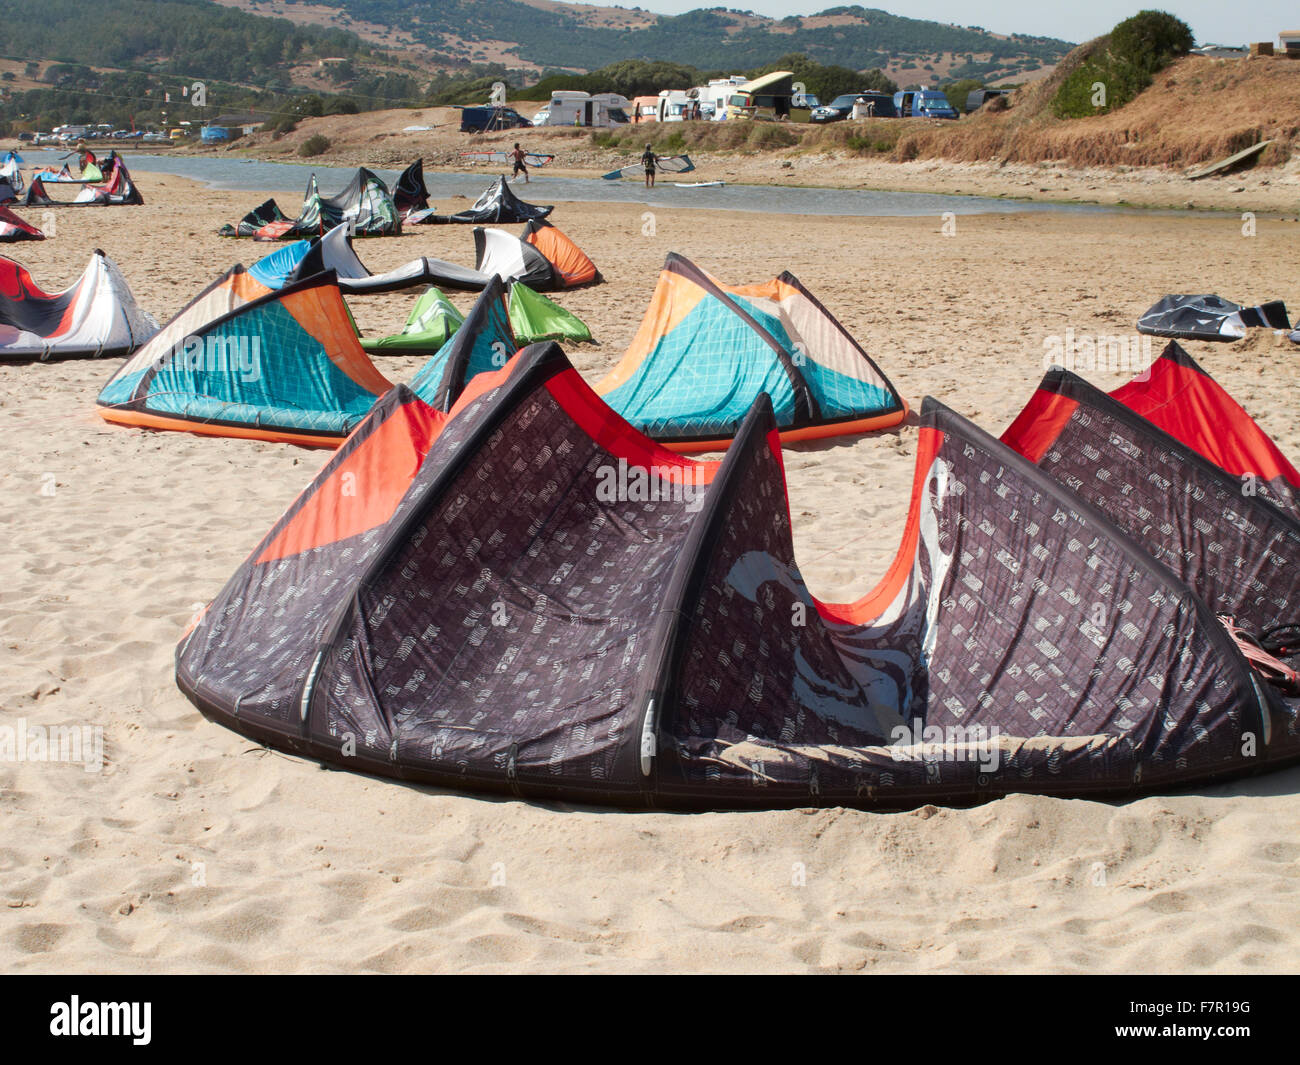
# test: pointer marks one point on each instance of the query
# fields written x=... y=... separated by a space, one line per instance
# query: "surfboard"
x=699 y=184
x=1230 y=162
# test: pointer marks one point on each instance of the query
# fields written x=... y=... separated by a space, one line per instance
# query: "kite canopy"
x=533 y=598
x=705 y=351
x=13 y=228
x=533 y=317
x=571 y=266
x=410 y=193
x=264 y=214
x=96 y=316
x=1178 y=396
x=1238 y=552
x=483 y=343
x=1210 y=318
x=118 y=190
x=431 y=323
x=11 y=175
x=286 y=367
x=498 y=254
x=497 y=204
x=364 y=206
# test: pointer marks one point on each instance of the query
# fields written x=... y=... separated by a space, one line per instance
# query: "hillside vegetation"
x=1196 y=110
x=580 y=37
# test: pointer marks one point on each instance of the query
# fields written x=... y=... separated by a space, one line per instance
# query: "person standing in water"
x=648 y=160
x=518 y=155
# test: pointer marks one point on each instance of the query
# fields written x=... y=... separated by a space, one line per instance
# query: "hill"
x=540 y=35
x=189 y=38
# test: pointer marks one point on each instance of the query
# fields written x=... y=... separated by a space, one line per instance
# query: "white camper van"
x=674 y=105
x=713 y=96
x=568 y=108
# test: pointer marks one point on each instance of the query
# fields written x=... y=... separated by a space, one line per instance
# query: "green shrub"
x=316 y=144
x=1124 y=63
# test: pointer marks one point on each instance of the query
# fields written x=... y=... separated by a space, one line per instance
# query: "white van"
x=674 y=105
x=567 y=108
x=713 y=97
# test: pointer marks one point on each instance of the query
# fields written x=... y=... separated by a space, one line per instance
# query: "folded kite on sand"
x=542 y=258
x=284 y=366
x=530 y=597
x=1210 y=318
x=705 y=351
x=13 y=228
x=117 y=190
x=364 y=206
x=498 y=204
x=95 y=317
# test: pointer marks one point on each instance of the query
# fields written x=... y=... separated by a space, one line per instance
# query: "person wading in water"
x=648 y=161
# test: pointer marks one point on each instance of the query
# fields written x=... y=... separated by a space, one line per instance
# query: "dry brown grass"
x=1198 y=110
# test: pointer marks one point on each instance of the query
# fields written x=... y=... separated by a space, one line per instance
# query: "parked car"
x=478 y=119
x=842 y=106
x=923 y=103
x=977 y=98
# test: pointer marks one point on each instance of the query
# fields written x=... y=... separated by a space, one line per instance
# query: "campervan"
x=568 y=108
x=765 y=97
x=713 y=97
x=675 y=105
x=645 y=109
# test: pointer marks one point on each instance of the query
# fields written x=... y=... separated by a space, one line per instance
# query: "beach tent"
x=1177 y=396
x=532 y=598
x=1209 y=318
x=497 y=204
x=431 y=323
x=13 y=228
x=482 y=343
x=410 y=194
x=705 y=351
x=533 y=317
x=95 y=317
x=264 y=214
x=286 y=366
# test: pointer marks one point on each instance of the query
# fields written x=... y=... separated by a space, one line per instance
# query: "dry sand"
x=194 y=849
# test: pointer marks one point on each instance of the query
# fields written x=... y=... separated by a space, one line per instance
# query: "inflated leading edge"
x=531 y=597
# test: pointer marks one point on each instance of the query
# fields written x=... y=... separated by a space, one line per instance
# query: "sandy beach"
x=195 y=850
